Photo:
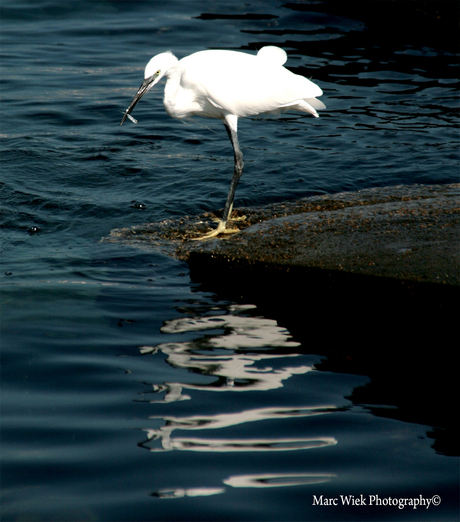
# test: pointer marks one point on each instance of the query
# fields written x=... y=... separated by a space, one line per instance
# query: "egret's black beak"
x=145 y=86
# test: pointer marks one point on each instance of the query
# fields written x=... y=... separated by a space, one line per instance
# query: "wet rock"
x=401 y=233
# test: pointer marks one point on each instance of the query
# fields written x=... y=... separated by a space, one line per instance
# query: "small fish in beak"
x=146 y=85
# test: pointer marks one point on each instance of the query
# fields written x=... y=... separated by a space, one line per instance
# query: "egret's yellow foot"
x=221 y=229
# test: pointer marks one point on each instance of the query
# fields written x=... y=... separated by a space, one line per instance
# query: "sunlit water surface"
x=128 y=391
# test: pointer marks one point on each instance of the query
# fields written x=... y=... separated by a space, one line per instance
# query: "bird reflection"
x=160 y=439
x=271 y=480
x=231 y=353
x=266 y=480
x=235 y=371
x=222 y=356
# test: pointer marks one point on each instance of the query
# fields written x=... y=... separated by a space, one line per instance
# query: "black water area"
x=131 y=391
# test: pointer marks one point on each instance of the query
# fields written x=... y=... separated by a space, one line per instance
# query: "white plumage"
x=228 y=85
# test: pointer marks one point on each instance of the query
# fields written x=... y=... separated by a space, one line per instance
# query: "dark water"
x=130 y=393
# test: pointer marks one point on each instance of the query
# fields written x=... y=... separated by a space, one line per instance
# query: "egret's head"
x=157 y=67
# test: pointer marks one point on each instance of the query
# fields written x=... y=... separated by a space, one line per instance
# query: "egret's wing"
x=246 y=85
x=261 y=91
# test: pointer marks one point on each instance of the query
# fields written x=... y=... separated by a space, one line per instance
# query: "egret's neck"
x=173 y=95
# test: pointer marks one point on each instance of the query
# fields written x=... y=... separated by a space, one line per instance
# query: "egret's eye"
x=158 y=72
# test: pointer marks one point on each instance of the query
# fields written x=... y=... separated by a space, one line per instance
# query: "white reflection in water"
x=242 y=332
x=225 y=420
x=189 y=492
x=161 y=439
x=237 y=445
x=235 y=371
x=272 y=480
x=237 y=354
x=239 y=371
x=266 y=480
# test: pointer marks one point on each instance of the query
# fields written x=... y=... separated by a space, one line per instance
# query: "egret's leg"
x=237 y=173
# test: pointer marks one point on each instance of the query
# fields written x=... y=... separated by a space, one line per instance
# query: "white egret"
x=228 y=85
